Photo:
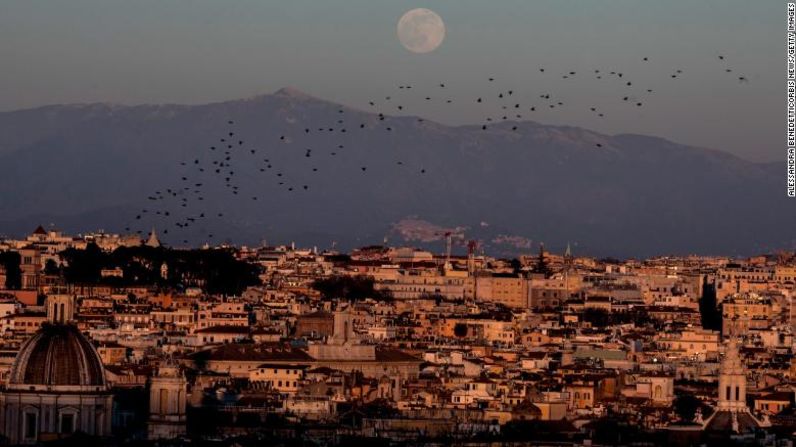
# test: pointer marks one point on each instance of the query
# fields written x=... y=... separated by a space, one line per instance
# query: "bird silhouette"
x=232 y=172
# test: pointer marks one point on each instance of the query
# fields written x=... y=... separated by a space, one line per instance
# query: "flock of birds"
x=230 y=159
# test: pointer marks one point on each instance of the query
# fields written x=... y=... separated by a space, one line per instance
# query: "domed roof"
x=57 y=354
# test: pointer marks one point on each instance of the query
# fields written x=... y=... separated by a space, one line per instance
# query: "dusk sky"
x=347 y=51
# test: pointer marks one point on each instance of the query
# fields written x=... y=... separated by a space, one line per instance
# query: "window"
x=164 y=401
x=31 y=428
x=67 y=423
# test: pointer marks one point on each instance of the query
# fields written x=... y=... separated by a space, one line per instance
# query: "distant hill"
x=85 y=167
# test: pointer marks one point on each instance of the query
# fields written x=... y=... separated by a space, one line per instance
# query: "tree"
x=84 y=266
x=596 y=317
x=217 y=271
x=51 y=267
x=708 y=308
x=516 y=265
x=460 y=330
x=686 y=405
x=10 y=260
x=354 y=288
x=541 y=263
x=200 y=359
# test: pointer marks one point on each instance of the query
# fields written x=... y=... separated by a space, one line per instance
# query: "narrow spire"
x=153 y=240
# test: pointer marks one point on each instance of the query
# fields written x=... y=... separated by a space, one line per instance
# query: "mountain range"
x=91 y=166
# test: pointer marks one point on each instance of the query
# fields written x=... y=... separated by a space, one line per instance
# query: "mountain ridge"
x=619 y=199
x=297 y=94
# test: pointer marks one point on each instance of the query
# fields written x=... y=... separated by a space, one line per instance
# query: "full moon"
x=421 y=30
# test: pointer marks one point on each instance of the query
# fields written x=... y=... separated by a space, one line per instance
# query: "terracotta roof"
x=317 y=314
x=394 y=355
x=282 y=366
x=322 y=370
x=261 y=353
x=225 y=329
x=782 y=396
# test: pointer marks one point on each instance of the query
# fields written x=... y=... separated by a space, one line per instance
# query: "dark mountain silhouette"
x=92 y=166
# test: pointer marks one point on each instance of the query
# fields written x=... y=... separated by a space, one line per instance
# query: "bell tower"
x=343 y=328
x=732 y=380
x=167 y=402
x=60 y=309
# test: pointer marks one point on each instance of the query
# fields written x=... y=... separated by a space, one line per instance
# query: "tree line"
x=217 y=271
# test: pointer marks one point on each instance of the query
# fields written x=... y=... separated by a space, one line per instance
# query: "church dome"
x=58 y=355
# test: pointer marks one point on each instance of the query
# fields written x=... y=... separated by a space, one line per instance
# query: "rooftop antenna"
x=472 y=246
x=448 y=241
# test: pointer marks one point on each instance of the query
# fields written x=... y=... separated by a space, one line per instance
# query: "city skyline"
x=353 y=223
x=289 y=342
